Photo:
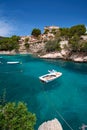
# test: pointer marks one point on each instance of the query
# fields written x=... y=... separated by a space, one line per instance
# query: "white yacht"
x=53 y=74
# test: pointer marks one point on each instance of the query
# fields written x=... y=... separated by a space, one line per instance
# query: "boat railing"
x=52 y=71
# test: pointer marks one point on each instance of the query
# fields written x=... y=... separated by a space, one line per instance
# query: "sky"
x=20 y=17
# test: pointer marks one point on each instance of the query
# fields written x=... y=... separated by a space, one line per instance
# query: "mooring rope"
x=58 y=112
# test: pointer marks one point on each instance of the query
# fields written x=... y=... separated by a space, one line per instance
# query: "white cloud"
x=6 y=28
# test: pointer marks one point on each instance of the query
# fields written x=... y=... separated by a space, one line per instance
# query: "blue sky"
x=19 y=17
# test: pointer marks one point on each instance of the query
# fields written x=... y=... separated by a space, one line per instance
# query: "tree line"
x=9 y=43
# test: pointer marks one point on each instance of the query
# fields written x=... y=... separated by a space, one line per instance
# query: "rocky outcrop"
x=61 y=55
x=78 y=58
x=65 y=55
x=51 y=125
x=52 y=55
x=8 y=52
x=37 y=47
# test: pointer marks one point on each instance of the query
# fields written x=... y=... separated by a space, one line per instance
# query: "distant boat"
x=13 y=62
x=53 y=74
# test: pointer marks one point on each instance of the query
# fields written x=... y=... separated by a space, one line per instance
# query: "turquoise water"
x=66 y=95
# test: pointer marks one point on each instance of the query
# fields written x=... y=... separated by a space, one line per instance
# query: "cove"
x=66 y=95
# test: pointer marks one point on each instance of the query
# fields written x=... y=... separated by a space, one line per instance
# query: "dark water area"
x=65 y=96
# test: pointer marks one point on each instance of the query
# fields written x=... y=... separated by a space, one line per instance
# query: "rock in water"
x=51 y=125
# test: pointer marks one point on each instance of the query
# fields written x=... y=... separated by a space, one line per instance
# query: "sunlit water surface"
x=65 y=96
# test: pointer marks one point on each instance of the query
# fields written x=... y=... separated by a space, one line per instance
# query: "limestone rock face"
x=78 y=58
x=52 y=55
x=34 y=48
x=51 y=125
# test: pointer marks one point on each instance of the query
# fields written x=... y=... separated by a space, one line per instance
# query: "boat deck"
x=50 y=76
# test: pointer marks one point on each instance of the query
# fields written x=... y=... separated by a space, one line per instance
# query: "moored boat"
x=50 y=76
x=13 y=62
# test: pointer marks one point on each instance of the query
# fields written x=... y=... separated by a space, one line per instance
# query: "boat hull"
x=13 y=62
x=50 y=77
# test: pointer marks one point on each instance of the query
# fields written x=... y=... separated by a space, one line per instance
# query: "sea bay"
x=65 y=96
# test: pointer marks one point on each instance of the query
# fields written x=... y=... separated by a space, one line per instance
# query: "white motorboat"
x=13 y=62
x=50 y=76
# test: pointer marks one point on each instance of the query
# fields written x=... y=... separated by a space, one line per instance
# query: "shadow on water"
x=51 y=85
x=69 y=65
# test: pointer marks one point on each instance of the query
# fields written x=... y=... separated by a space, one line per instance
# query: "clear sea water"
x=65 y=96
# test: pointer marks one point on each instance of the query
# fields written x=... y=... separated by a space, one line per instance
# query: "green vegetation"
x=16 y=117
x=64 y=33
x=26 y=45
x=8 y=44
x=52 y=46
x=26 y=39
x=84 y=47
x=77 y=45
x=74 y=30
x=73 y=35
x=36 y=32
x=78 y=30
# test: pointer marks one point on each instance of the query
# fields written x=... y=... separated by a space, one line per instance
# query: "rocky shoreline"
x=76 y=57
x=73 y=57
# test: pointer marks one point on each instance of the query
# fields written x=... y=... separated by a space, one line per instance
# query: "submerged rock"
x=51 y=125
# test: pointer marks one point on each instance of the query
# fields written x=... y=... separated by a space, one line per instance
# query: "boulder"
x=51 y=125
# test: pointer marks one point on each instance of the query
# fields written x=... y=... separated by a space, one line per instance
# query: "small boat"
x=53 y=74
x=13 y=62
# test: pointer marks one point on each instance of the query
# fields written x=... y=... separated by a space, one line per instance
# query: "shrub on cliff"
x=26 y=45
x=74 y=43
x=77 y=45
x=64 y=32
x=53 y=45
x=84 y=47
